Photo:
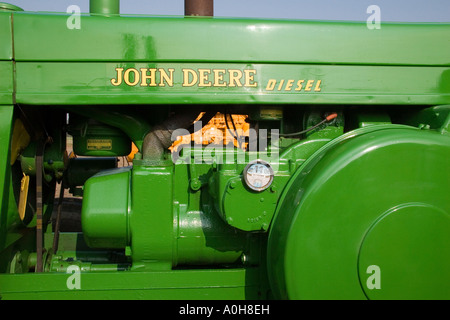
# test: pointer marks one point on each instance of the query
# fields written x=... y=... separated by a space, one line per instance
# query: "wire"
x=235 y=136
x=327 y=119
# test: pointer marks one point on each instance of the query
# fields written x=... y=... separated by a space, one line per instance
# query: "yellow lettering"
x=235 y=77
x=118 y=81
x=309 y=85
x=249 y=78
x=218 y=78
x=271 y=84
x=289 y=85
x=317 y=88
x=299 y=85
x=126 y=77
x=280 y=85
x=208 y=78
x=186 y=77
x=166 y=78
x=145 y=77
x=203 y=78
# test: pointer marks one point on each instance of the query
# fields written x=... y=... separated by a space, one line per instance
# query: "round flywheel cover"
x=367 y=217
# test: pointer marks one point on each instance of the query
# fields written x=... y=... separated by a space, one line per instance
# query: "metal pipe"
x=199 y=8
x=160 y=137
x=104 y=7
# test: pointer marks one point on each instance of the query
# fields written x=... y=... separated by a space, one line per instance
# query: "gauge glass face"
x=258 y=176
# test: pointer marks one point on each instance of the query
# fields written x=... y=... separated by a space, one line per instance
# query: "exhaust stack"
x=203 y=8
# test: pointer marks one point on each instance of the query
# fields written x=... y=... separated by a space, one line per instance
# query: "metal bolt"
x=196 y=184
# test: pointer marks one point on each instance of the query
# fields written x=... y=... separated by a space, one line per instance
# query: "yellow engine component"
x=24 y=184
x=20 y=140
x=217 y=132
x=134 y=149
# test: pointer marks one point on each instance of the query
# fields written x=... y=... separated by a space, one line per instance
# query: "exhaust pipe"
x=204 y=8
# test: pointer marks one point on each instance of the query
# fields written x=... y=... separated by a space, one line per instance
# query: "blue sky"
x=391 y=10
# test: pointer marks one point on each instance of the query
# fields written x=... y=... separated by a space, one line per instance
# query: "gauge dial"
x=258 y=175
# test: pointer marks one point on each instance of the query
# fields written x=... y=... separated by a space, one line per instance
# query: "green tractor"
x=198 y=157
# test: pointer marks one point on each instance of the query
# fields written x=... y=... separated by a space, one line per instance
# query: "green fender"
x=366 y=217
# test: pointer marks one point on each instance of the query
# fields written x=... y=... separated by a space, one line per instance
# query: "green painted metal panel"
x=111 y=208
x=6 y=48
x=45 y=37
x=6 y=82
x=101 y=83
x=224 y=284
x=154 y=213
x=6 y=116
